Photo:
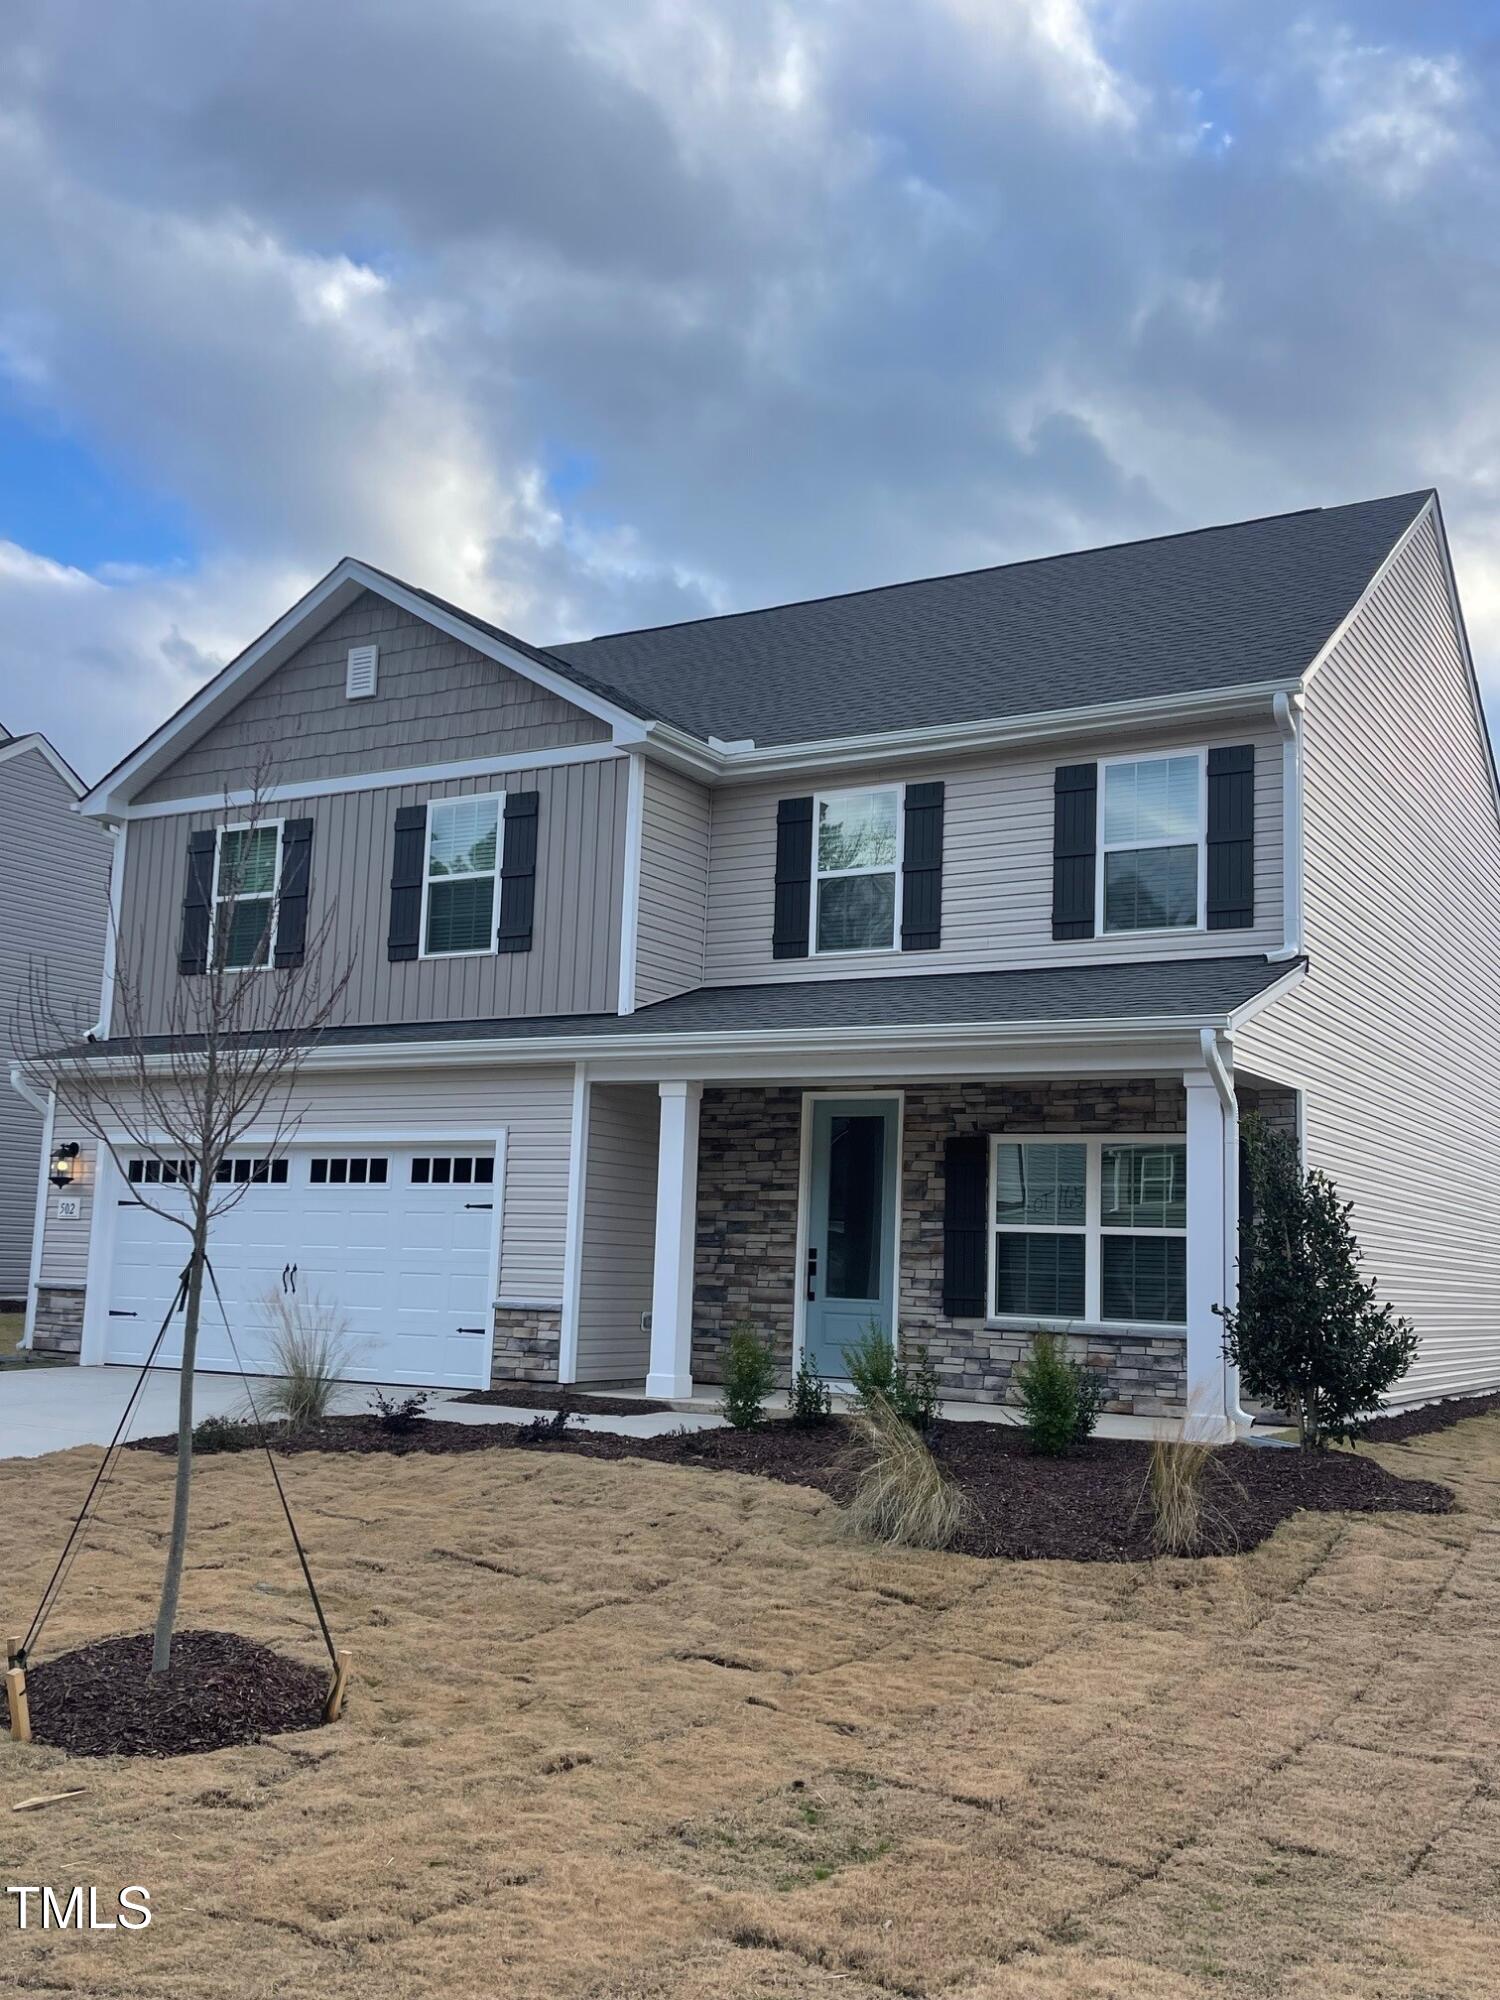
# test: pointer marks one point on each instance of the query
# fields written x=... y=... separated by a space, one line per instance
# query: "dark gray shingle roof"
x=1217 y=608
x=1200 y=991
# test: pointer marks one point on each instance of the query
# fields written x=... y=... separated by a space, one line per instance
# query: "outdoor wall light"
x=65 y=1164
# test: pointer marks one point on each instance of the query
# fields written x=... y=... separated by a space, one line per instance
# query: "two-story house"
x=902 y=958
x=52 y=931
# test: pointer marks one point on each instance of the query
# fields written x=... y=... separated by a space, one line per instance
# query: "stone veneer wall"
x=1273 y=1102
x=528 y=1341
x=749 y=1153
x=59 y=1319
x=1145 y=1369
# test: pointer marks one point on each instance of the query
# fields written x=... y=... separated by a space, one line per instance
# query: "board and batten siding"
x=673 y=911
x=436 y=701
x=1392 y=1036
x=997 y=871
x=572 y=967
x=534 y=1106
x=53 y=915
x=619 y=1233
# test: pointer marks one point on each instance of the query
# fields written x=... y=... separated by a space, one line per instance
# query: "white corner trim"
x=630 y=890
x=48 y=1108
x=117 y=834
x=1288 y=710
x=380 y=781
x=578 y=1156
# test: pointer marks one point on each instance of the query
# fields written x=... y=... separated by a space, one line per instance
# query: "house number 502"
x=69 y=1208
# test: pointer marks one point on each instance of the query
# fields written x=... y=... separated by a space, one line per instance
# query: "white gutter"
x=1223 y=1081
x=47 y=1107
x=1287 y=709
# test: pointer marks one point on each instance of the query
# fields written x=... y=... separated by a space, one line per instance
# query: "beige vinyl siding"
x=65 y=1245
x=535 y=1108
x=53 y=915
x=572 y=967
x=1393 y=1034
x=675 y=816
x=997 y=871
x=619 y=1223
x=436 y=701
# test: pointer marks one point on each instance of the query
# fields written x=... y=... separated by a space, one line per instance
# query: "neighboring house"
x=905 y=958
x=52 y=918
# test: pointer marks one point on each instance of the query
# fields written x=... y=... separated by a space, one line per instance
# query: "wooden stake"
x=20 y=1712
x=333 y=1708
x=12 y=1651
x=47 y=1799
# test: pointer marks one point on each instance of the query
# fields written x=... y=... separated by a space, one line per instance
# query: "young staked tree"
x=1308 y=1333
x=184 y=1080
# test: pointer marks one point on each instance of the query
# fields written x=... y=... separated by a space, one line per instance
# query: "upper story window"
x=1151 y=844
x=247 y=864
x=463 y=837
x=857 y=874
x=1089 y=1229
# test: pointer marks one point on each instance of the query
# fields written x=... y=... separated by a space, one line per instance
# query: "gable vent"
x=359 y=677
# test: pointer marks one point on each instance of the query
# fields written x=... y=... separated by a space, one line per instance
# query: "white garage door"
x=396 y=1240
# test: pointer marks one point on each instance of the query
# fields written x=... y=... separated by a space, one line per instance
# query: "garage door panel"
x=406 y=1266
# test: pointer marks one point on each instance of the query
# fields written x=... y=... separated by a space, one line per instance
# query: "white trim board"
x=20 y=746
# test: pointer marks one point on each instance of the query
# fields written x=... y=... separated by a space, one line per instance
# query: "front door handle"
x=812 y=1274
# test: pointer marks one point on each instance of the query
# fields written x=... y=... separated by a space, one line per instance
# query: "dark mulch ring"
x=545 y=1396
x=1087 y=1508
x=104 y=1701
x=1403 y=1424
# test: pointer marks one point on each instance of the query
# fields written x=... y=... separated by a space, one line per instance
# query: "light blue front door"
x=851 y=1226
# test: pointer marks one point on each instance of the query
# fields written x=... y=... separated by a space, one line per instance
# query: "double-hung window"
x=1151 y=843
x=1091 y=1229
x=463 y=838
x=856 y=904
x=247 y=865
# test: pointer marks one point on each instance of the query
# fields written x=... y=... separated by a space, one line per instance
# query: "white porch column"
x=1207 y=1192
x=676 y=1230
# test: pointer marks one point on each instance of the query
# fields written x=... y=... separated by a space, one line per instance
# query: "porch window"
x=1091 y=1229
x=463 y=838
x=856 y=870
x=246 y=863
x=1150 y=848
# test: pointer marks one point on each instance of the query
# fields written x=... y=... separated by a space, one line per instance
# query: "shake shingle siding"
x=1393 y=1034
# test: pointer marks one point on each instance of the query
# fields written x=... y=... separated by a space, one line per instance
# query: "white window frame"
x=247 y=826
x=474 y=951
x=821 y=875
x=1093 y=1230
x=1103 y=847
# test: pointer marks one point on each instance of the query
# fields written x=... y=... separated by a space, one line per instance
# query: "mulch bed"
x=1404 y=1424
x=104 y=1701
x=539 y=1396
x=1087 y=1508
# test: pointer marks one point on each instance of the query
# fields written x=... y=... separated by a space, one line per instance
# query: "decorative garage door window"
x=242 y=1172
x=348 y=1170
x=440 y=1169
x=159 y=1173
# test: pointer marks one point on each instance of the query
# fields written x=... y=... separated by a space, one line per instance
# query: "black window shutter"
x=922 y=869
x=965 y=1225
x=793 y=878
x=291 y=900
x=408 y=864
x=197 y=901
x=518 y=872
x=1231 y=838
x=1075 y=795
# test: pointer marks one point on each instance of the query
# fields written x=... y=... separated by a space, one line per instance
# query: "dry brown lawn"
x=624 y=1730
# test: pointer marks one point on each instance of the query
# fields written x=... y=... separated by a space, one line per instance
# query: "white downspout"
x=1223 y=1082
x=47 y=1106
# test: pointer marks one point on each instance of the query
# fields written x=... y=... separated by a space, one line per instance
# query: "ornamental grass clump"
x=310 y=1350
x=749 y=1377
x=1060 y=1399
x=1181 y=1476
x=901 y=1497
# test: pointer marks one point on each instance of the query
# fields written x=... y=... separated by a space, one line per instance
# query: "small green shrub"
x=399 y=1416
x=901 y=1494
x=812 y=1400
x=1061 y=1399
x=879 y=1378
x=749 y=1376
x=211 y=1434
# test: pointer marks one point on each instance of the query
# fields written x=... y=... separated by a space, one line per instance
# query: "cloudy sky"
x=598 y=313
